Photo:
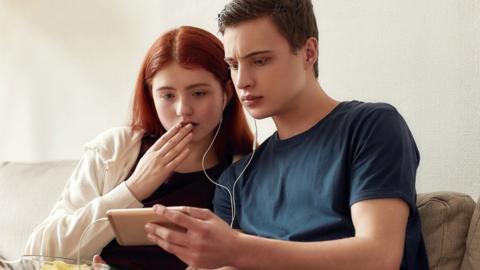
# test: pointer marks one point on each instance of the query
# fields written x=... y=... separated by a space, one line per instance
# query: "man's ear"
x=311 y=51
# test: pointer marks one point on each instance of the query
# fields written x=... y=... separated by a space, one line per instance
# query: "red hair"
x=191 y=47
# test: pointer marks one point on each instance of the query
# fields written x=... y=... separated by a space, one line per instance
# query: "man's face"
x=267 y=74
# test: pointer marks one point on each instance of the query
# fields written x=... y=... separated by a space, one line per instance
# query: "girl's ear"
x=228 y=93
x=224 y=100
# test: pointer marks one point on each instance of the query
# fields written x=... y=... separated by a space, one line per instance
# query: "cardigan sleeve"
x=81 y=204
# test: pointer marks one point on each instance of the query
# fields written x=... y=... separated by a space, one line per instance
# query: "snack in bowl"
x=58 y=263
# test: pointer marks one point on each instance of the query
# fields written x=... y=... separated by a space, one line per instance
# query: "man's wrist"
x=242 y=251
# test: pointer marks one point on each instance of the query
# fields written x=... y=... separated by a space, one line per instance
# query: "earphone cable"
x=231 y=194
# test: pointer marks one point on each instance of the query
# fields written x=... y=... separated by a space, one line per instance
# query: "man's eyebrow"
x=248 y=55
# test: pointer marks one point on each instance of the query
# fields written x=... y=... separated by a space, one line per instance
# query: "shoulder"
x=380 y=125
x=364 y=115
x=360 y=109
x=113 y=143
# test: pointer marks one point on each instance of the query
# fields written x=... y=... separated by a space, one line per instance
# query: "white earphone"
x=224 y=100
x=231 y=193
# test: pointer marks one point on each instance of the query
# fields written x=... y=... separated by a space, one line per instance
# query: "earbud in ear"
x=224 y=101
x=228 y=93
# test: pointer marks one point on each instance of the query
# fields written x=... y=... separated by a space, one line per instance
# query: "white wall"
x=67 y=70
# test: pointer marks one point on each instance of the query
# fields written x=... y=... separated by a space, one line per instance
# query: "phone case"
x=129 y=225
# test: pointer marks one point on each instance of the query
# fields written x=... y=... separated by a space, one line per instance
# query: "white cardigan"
x=95 y=186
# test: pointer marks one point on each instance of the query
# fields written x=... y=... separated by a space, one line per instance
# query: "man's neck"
x=307 y=109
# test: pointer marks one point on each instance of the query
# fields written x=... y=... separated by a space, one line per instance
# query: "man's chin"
x=258 y=114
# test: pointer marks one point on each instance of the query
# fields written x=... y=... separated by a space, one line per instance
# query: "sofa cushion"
x=445 y=218
x=471 y=260
x=28 y=192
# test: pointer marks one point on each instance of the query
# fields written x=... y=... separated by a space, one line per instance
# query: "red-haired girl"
x=183 y=96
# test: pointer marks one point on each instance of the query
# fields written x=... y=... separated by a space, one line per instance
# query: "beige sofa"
x=450 y=221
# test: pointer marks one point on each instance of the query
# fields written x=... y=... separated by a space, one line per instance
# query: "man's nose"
x=243 y=78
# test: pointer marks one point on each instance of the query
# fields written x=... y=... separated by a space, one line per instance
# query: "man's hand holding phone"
x=128 y=224
x=206 y=241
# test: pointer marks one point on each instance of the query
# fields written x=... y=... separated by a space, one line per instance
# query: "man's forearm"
x=349 y=253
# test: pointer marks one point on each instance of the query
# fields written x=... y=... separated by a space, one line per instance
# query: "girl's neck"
x=193 y=162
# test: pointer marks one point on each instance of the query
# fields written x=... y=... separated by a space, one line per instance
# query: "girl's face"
x=188 y=96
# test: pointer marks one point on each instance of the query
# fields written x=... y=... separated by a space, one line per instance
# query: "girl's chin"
x=201 y=137
x=196 y=138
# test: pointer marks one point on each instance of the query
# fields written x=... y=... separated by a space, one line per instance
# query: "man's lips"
x=251 y=100
x=250 y=97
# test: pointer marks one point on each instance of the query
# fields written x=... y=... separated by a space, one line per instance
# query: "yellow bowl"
x=58 y=263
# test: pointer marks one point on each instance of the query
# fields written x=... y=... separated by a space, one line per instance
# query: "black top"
x=189 y=189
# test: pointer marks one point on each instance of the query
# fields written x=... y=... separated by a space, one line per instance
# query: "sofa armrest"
x=445 y=218
x=28 y=192
x=471 y=260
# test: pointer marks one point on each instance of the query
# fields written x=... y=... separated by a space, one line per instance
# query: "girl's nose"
x=184 y=108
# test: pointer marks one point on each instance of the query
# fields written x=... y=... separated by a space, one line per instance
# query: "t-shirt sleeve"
x=221 y=199
x=384 y=158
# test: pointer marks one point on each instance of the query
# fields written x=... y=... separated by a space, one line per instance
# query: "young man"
x=333 y=188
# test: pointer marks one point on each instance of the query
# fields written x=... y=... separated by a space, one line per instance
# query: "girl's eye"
x=233 y=66
x=167 y=96
x=198 y=93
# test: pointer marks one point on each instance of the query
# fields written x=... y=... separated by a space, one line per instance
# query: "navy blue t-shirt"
x=302 y=188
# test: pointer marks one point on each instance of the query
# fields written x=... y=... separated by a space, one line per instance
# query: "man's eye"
x=260 y=61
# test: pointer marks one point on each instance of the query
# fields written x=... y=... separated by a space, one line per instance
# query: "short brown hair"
x=294 y=18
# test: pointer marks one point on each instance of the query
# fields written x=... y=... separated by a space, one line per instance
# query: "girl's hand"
x=98 y=262
x=159 y=161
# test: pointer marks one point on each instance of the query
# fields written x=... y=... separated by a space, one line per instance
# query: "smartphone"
x=129 y=225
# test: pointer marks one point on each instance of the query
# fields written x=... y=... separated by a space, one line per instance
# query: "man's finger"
x=177 y=217
x=183 y=253
x=169 y=235
x=172 y=248
x=199 y=213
